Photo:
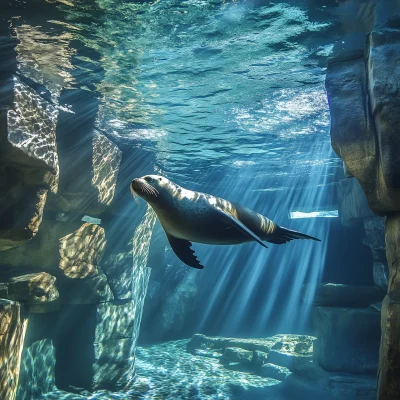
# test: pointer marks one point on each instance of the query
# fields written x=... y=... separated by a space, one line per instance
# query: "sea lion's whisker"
x=144 y=187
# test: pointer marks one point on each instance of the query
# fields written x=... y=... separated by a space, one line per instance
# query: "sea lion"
x=189 y=216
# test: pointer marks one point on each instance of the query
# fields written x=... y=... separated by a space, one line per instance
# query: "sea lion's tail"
x=284 y=235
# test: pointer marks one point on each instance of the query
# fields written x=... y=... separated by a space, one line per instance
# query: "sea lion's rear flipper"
x=283 y=235
x=183 y=251
x=232 y=221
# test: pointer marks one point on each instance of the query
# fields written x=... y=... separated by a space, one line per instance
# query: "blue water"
x=223 y=97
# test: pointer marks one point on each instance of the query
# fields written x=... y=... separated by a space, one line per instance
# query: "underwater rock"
x=108 y=365
x=338 y=295
x=375 y=231
x=179 y=304
x=98 y=345
x=81 y=251
x=88 y=170
x=203 y=342
x=383 y=77
x=126 y=271
x=106 y=161
x=389 y=363
x=29 y=161
x=33 y=288
x=289 y=345
x=119 y=272
x=92 y=290
x=275 y=372
x=380 y=274
x=286 y=349
x=290 y=360
x=353 y=205
x=313 y=372
x=59 y=246
x=171 y=294
x=38 y=370
x=114 y=364
x=3 y=291
x=259 y=358
x=22 y=217
x=207 y=353
x=353 y=138
x=353 y=387
x=238 y=355
x=12 y=334
x=361 y=127
x=342 y=343
x=115 y=321
x=44 y=308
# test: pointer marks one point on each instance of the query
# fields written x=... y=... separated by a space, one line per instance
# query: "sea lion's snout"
x=135 y=184
x=143 y=188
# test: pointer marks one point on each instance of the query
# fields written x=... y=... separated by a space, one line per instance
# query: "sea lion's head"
x=151 y=188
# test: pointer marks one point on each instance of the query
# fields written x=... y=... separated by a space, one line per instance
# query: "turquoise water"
x=222 y=85
x=223 y=97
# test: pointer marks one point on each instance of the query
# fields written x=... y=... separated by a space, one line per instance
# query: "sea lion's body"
x=199 y=221
x=188 y=216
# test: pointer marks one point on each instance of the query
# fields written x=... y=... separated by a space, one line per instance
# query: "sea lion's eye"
x=159 y=179
x=148 y=179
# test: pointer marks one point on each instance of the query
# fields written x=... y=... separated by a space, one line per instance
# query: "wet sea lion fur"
x=188 y=216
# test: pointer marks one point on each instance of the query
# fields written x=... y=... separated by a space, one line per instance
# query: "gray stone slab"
x=348 y=339
x=337 y=295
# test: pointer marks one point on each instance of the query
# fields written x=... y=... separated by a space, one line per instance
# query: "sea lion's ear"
x=183 y=251
x=234 y=222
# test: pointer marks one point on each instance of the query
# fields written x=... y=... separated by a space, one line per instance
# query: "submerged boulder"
x=33 y=288
x=348 y=339
x=259 y=358
x=275 y=371
x=299 y=344
x=29 y=161
x=238 y=355
x=290 y=360
x=338 y=295
x=12 y=333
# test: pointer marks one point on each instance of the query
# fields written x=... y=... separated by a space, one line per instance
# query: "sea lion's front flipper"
x=232 y=221
x=183 y=251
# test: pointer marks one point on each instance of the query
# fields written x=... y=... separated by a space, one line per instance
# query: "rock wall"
x=71 y=287
x=171 y=293
x=362 y=85
x=12 y=332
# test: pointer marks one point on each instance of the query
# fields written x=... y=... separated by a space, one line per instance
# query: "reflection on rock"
x=58 y=242
x=12 y=333
x=37 y=370
x=29 y=160
x=114 y=321
x=172 y=373
x=31 y=128
x=81 y=251
x=45 y=58
x=106 y=160
x=33 y=288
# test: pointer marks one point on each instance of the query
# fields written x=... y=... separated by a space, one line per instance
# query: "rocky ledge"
x=290 y=352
